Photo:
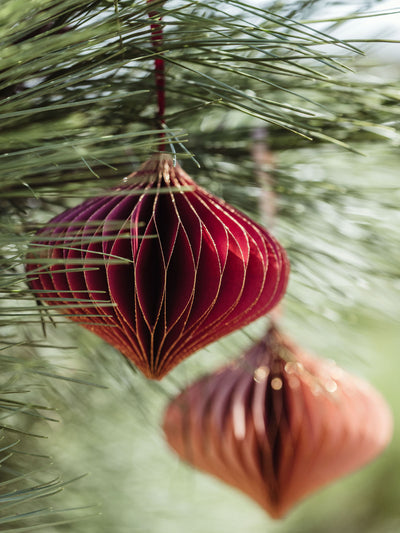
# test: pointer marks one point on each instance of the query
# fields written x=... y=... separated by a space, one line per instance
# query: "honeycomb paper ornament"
x=158 y=267
x=278 y=424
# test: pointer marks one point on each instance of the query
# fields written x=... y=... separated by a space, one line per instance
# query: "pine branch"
x=87 y=68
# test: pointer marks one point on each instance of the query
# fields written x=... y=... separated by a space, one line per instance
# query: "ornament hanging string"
x=156 y=39
x=264 y=162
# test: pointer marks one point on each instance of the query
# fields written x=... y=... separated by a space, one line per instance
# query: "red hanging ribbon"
x=156 y=39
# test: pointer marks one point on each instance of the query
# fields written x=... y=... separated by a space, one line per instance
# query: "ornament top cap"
x=159 y=166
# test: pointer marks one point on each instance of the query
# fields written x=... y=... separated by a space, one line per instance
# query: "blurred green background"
x=76 y=115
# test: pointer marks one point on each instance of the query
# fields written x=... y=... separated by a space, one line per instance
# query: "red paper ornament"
x=158 y=267
x=278 y=424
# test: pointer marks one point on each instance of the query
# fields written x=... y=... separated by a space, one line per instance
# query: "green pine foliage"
x=77 y=113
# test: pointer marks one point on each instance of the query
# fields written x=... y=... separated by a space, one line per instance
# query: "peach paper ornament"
x=278 y=424
x=158 y=267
